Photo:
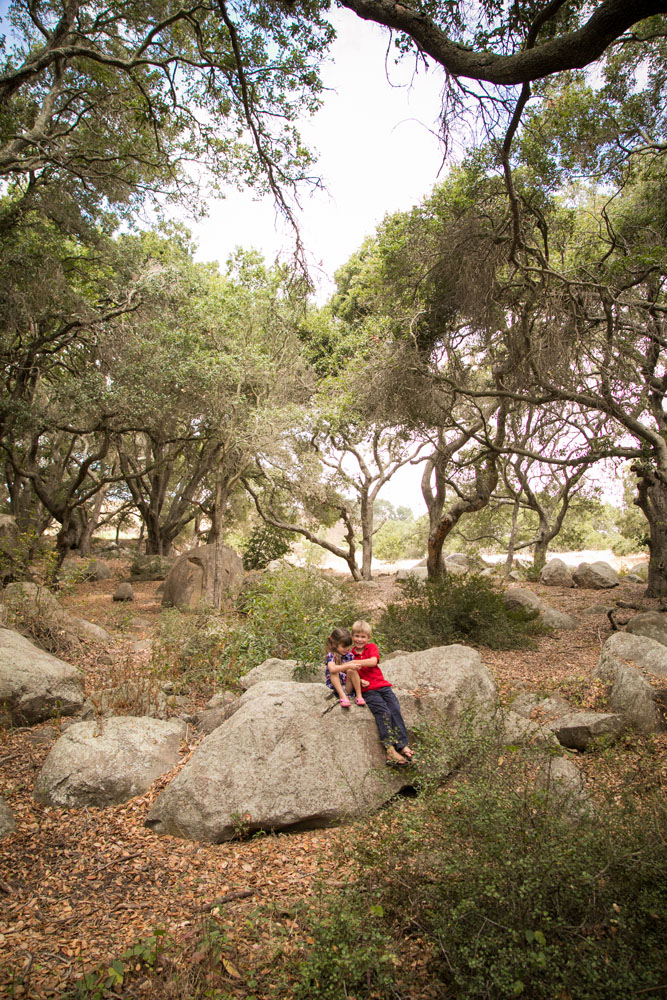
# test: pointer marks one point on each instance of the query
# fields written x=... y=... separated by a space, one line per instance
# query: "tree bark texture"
x=652 y=501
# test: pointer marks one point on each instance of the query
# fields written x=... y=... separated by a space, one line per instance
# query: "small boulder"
x=595 y=576
x=123 y=592
x=641 y=570
x=519 y=729
x=556 y=573
x=652 y=624
x=221 y=699
x=557 y=619
x=34 y=685
x=151 y=567
x=7 y=822
x=581 y=729
x=532 y=706
x=90 y=631
x=417 y=572
x=519 y=597
x=103 y=763
x=57 y=629
x=81 y=570
x=561 y=779
x=212 y=718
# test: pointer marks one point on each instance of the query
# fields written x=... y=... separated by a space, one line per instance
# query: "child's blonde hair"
x=362 y=626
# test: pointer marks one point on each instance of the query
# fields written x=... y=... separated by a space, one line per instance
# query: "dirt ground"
x=78 y=887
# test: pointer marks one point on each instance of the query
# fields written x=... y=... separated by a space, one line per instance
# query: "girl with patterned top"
x=337 y=672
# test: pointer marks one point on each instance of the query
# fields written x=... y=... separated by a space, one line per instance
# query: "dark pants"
x=386 y=710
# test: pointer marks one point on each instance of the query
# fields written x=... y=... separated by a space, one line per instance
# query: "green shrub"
x=467 y=609
x=401 y=539
x=288 y=614
x=190 y=649
x=265 y=544
x=504 y=892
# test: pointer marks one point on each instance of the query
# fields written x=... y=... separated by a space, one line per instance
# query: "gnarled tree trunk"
x=652 y=501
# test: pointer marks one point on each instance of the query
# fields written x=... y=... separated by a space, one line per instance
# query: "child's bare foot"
x=407 y=752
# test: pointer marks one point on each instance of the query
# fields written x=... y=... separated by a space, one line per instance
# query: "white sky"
x=376 y=155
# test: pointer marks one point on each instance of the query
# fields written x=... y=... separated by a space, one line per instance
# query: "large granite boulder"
x=556 y=574
x=595 y=576
x=7 y=821
x=103 y=763
x=444 y=682
x=625 y=663
x=34 y=685
x=191 y=578
x=652 y=624
x=291 y=757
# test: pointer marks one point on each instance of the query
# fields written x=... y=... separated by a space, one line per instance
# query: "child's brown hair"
x=338 y=637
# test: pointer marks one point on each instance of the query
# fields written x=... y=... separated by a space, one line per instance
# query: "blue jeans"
x=386 y=710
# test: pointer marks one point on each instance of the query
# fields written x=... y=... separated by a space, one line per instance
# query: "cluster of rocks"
x=263 y=762
x=589 y=576
x=284 y=754
x=519 y=597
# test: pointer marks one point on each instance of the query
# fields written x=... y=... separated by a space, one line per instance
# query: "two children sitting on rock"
x=344 y=649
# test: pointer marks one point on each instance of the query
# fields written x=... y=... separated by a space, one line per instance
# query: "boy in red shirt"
x=381 y=700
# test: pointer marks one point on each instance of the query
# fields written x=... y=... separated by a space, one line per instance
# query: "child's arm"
x=372 y=661
x=337 y=668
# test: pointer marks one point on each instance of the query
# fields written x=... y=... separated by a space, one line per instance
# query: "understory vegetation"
x=490 y=885
x=457 y=609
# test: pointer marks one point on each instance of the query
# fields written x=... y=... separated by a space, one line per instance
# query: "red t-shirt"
x=373 y=675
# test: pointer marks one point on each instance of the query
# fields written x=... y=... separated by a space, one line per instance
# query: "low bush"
x=500 y=892
x=190 y=650
x=468 y=609
x=265 y=544
x=289 y=615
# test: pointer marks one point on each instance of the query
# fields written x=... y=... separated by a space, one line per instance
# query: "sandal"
x=344 y=702
x=396 y=763
x=359 y=701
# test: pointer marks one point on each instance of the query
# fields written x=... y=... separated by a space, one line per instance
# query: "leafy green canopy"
x=111 y=102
